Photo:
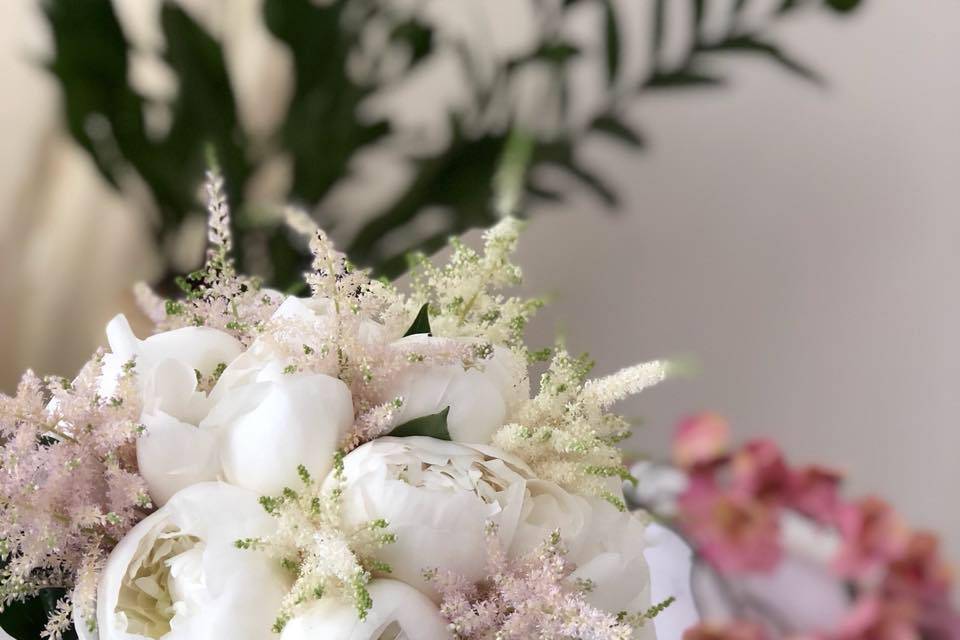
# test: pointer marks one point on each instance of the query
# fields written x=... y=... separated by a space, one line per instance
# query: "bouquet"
x=358 y=463
x=366 y=463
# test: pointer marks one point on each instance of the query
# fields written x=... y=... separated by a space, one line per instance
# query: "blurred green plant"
x=323 y=130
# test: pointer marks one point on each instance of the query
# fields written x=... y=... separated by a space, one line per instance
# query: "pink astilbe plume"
x=530 y=597
x=69 y=487
x=216 y=296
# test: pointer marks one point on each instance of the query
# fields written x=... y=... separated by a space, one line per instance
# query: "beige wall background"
x=802 y=244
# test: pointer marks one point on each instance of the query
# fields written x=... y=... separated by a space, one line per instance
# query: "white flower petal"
x=200 y=348
x=397 y=607
x=219 y=591
x=172 y=455
x=437 y=497
x=479 y=398
x=671 y=564
x=298 y=419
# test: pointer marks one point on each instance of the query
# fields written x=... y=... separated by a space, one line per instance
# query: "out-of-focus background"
x=797 y=238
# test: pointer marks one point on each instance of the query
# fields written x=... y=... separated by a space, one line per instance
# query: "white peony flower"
x=399 y=612
x=253 y=429
x=480 y=398
x=270 y=426
x=168 y=364
x=630 y=563
x=436 y=497
x=177 y=575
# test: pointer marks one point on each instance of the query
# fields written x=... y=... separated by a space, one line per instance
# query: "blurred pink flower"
x=873 y=535
x=760 y=471
x=873 y=618
x=814 y=492
x=920 y=571
x=734 y=532
x=701 y=440
x=736 y=630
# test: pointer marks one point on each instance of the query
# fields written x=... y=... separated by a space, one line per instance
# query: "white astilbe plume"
x=566 y=433
x=464 y=296
x=326 y=556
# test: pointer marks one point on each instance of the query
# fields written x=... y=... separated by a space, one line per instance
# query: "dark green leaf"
x=560 y=153
x=455 y=182
x=421 y=324
x=612 y=41
x=417 y=36
x=682 y=78
x=25 y=620
x=658 y=23
x=749 y=44
x=205 y=112
x=433 y=426
x=843 y=6
x=545 y=194
x=786 y=6
x=697 y=14
x=618 y=129
x=323 y=128
x=90 y=60
x=556 y=52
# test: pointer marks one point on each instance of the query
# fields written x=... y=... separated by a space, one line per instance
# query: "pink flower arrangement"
x=873 y=535
x=701 y=441
x=737 y=630
x=732 y=512
x=734 y=532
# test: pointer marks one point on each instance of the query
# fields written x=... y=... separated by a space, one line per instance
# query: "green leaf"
x=613 y=44
x=456 y=182
x=658 y=24
x=421 y=324
x=688 y=78
x=205 y=112
x=843 y=6
x=90 y=61
x=432 y=426
x=324 y=127
x=417 y=36
x=25 y=620
x=560 y=153
x=749 y=44
x=617 y=128
x=697 y=13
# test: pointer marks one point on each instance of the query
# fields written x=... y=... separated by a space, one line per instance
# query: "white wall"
x=803 y=245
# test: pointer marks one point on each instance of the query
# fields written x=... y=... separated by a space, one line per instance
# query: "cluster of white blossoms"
x=314 y=462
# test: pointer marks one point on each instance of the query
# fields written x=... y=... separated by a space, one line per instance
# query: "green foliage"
x=324 y=128
x=26 y=620
x=433 y=426
x=421 y=324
